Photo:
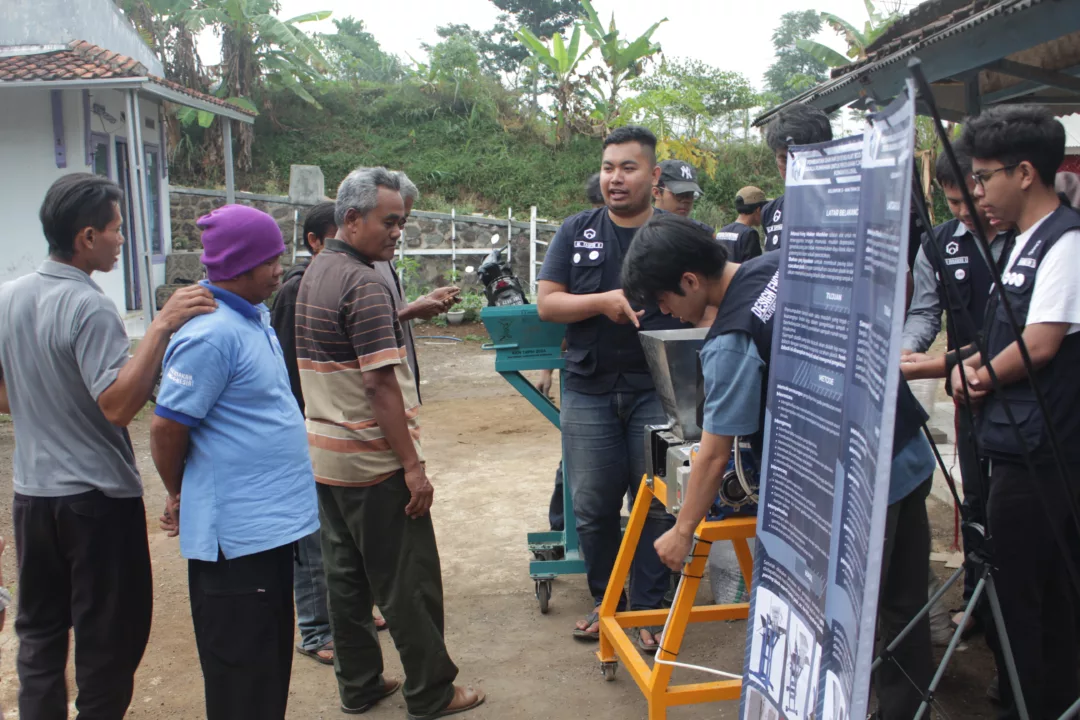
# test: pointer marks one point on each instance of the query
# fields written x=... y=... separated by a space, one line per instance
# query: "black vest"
x=1058 y=380
x=967 y=289
x=772 y=221
x=595 y=267
x=749 y=306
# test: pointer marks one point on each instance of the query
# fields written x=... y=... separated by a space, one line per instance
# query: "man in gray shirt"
x=80 y=525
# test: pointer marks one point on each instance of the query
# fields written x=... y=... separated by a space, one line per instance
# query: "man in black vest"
x=608 y=393
x=685 y=272
x=955 y=252
x=740 y=238
x=797 y=124
x=1015 y=152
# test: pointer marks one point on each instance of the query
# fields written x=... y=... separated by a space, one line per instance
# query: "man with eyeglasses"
x=1016 y=151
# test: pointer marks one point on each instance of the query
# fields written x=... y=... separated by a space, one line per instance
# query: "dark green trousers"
x=375 y=555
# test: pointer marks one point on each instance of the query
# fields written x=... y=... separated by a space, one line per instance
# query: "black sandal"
x=589 y=636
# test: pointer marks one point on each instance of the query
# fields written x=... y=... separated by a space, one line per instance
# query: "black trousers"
x=1034 y=588
x=83 y=563
x=374 y=554
x=243 y=615
x=905 y=568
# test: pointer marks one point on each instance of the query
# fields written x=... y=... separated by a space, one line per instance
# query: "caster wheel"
x=543 y=595
x=608 y=670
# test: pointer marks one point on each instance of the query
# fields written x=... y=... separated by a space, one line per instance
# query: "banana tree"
x=562 y=61
x=623 y=59
x=258 y=48
x=857 y=40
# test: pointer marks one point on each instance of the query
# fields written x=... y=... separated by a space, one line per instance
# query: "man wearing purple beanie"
x=246 y=499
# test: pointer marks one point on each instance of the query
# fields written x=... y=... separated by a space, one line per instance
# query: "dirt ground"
x=492 y=458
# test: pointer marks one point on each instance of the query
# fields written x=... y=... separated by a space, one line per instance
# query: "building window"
x=153 y=196
x=99 y=153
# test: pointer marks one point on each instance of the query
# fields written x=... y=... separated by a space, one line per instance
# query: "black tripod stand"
x=980 y=554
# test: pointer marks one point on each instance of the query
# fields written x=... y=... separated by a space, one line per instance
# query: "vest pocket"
x=586 y=273
x=998 y=433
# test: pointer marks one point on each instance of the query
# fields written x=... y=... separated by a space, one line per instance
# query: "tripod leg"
x=1006 y=649
x=915 y=620
x=953 y=644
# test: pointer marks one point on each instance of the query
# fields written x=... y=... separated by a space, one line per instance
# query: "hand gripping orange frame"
x=614 y=643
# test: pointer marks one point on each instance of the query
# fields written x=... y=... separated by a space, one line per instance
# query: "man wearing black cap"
x=740 y=238
x=677 y=188
x=798 y=124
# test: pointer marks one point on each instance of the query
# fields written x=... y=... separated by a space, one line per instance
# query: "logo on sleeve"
x=180 y=378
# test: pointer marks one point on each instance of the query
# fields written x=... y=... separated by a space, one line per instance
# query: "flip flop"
x=653 y=630
x=385 y=625
x=389 y=688
x=480 y=698
x=314 y=654
x=587 y=635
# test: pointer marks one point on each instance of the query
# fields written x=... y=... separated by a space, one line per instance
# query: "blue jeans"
x=604 y=451
x=309 y=586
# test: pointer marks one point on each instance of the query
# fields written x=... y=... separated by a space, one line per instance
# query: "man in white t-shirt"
x=1016 y=151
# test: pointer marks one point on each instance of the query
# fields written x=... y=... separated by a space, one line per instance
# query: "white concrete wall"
x=28 y=169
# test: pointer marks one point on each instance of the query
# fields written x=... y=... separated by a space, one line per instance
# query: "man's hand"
x=425 y=308
x=545 y=381
x=170 y=517
x=185 y=303
x=421 y=490
x=913 y=357
x=617 y=308
x=448 y=296
x=975 y=391
x=673 y=547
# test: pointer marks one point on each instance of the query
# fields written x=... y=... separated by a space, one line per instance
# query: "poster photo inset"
x=758 y=708
x=769 y=647
x=800 y=671
x=835 y=707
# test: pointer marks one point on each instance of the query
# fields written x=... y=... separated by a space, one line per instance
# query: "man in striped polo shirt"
x=374 y=494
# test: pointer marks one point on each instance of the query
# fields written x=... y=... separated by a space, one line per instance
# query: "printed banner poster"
x=839 y=309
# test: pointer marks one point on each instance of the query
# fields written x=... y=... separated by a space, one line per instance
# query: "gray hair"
x=360 y=191
x=409 y=191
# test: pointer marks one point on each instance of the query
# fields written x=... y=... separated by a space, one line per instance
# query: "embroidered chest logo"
x=952 y=248
x=589 y=234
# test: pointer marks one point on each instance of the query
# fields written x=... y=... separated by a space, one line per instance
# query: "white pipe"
x=509 y=233
x=295 y=224
x=453 y=242
x=226 y=142
x=137 y=191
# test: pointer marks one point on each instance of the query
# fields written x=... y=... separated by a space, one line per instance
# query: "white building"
x=81 y=92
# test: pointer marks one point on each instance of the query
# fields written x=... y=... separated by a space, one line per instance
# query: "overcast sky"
x=728 y=35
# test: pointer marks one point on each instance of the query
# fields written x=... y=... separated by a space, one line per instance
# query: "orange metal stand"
x=614 y=643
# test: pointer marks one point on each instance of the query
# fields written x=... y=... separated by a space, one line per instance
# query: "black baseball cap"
x=679 y=177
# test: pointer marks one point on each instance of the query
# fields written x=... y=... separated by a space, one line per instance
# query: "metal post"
x=453 y=242
x=144 y=190
x=509 y=233
x=137 y=190
x=226 y=137
x=532 y=252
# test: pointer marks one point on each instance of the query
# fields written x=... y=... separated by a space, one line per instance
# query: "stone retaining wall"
x=425 y=232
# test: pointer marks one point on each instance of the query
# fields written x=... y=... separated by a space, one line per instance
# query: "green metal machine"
x=522 y=341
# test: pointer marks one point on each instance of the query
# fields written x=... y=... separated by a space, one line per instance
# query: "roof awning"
x=82 y=66
x=984 y=52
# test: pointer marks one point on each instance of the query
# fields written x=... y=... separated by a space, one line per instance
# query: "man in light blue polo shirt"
x=228 y=432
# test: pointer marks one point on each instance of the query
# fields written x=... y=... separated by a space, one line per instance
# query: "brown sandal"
x=458 y=704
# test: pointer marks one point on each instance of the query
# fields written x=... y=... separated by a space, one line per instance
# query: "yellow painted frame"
x=615 y=645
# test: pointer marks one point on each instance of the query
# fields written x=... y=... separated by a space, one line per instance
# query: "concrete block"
x=307 y=186
x=183 y=268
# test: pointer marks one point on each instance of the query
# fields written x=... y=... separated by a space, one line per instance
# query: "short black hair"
x=319 y=220
x=1015 y=133
x=633 y=133
x=75 y=202
x=803 y=124
x=592 y=190
x=747 y=209
x=664 y=248
x=944 y=171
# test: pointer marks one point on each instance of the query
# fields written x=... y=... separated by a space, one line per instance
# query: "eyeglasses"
x=982 y=176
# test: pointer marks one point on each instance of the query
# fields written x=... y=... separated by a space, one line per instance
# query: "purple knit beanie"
x=237 y=238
